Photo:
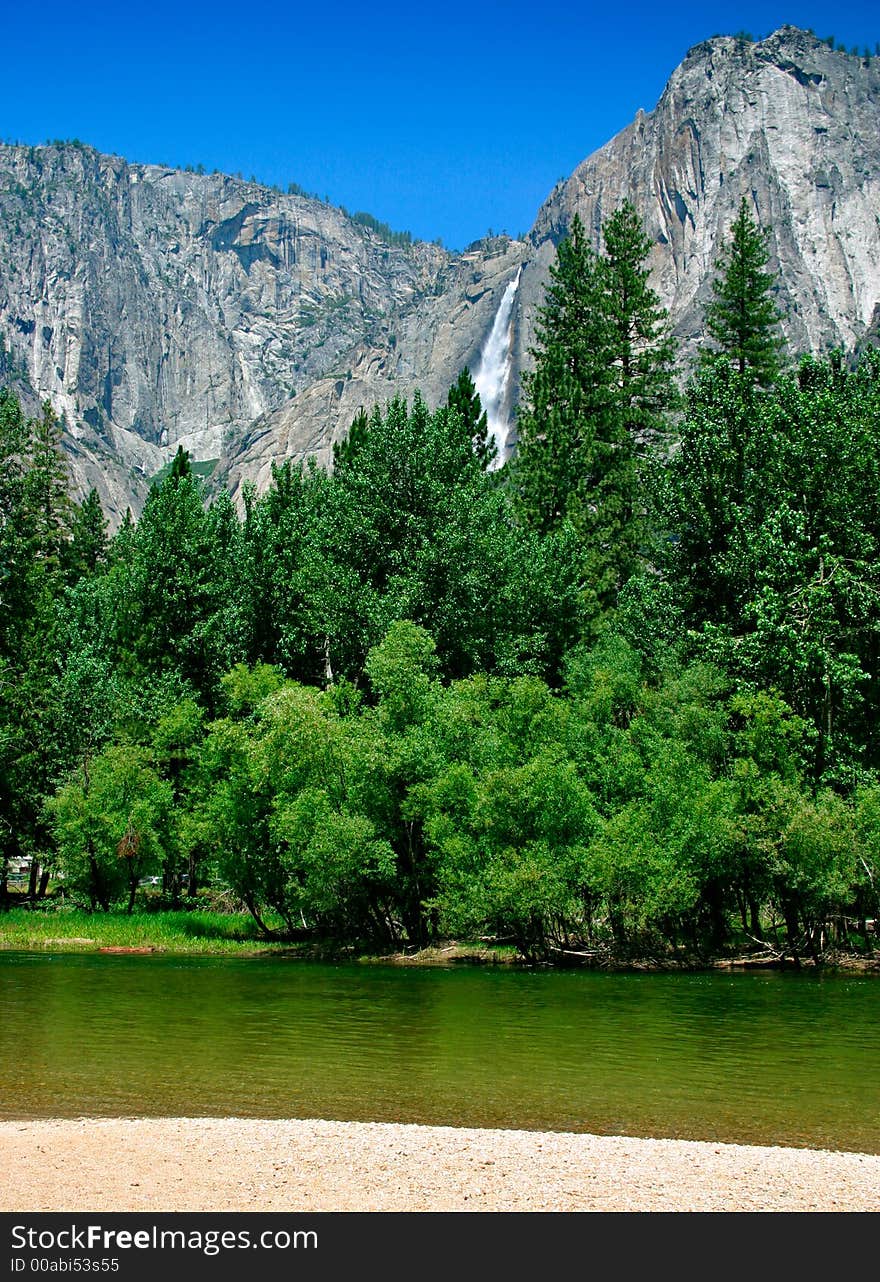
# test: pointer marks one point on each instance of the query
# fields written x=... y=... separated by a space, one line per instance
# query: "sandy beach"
x=233 y=1164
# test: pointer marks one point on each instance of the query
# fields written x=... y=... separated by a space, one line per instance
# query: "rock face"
x=427 y=349
x=155 y=307
x=787 y=123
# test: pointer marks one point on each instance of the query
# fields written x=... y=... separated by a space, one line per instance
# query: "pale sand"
x=230 y=1164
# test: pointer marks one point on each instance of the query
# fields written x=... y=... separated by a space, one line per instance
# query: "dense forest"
x=616 y=697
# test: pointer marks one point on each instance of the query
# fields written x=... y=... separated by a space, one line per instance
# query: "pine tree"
x=464 y=397
x=565 y=392
x=48 y=492
x=121 y=545
x=642 y=347
x=596 y=397
x=181 y=466
x=16 y=568
x=346 y=450
x=34 y=511
x=173 y=593
x=88 y=545
x=743 y=318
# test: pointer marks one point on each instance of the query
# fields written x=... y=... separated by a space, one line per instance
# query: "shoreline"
x=454 y=955
x=244 y=1164
x=197 y=932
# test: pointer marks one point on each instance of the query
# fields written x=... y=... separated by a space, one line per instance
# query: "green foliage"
x=773 y=537
x=178 y=584
x=408 y=525
x=88 y=549
x=47 y=489
x=34 y=533
x=565 y=392
x=596 y=399
x=743 y=318
x=643 y=815
x=245 y=688
x=382 y=230
x=611 y=698
x=465 y=399
x=641 y=348
x=332 y=861
x=518 y=869
x=346 y=450
x=402 y=673
x=108 y=826
x=16 y=569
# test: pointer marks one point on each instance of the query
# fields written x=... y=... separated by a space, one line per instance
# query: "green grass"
x=181 y=931
x=61 y=929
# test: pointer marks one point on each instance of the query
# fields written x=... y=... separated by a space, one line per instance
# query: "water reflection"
x=762 y=1058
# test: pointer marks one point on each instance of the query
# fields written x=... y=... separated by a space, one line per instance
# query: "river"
x=767 y=1058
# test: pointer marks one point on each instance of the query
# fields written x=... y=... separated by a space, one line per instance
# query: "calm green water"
x=763 y=1058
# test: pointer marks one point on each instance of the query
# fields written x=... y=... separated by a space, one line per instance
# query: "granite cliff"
x=156 y=307
x=786 y=122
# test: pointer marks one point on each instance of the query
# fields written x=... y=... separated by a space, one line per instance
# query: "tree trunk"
x=792 y=930
x=192 y=874
x=755 y=916
x=714 y=899
x=251 y=906
x=618 y=930
x=413 y=910
x=813 y=928
x=97 y=894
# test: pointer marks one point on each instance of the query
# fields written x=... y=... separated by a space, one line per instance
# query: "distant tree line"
x=382 y=230
x=618 y=696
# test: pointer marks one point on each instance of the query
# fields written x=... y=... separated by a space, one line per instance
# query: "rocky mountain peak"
x=156 y=307
x=159 y=307
x=788 y=123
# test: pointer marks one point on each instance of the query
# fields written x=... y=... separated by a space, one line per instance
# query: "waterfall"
x=493 y=371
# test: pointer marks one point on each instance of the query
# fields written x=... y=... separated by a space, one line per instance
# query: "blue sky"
x=446 y=121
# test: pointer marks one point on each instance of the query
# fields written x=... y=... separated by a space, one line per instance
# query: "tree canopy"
x=615 y=697
x=595 y=402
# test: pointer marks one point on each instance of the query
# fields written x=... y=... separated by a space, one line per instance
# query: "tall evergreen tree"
x=181 y=465
x=598 y=392
x=15 y=567
x=772 y=548
x=743 y=318
x=346 y=449
x=565 y=392
x=464 y=397
x=176 y=608
x=48 y=489
x=34 y=532
x=642 y=349
x=120 y=548
x=15 y=599
x=88 y=544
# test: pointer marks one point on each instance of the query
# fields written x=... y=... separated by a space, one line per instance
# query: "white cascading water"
x=493 y=371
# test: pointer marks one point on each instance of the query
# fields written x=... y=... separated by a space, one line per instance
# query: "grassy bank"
x=180 y=931
x=212 y=933
x=195 y=932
